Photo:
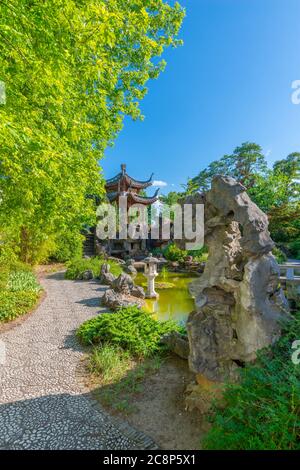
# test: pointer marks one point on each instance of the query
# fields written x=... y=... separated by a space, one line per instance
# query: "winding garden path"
x=43 y=402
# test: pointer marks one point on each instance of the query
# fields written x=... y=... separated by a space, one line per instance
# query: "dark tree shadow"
x=58 y=276
x=63 y=421
x=92 y=302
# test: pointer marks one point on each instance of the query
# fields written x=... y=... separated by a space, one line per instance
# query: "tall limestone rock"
x=239 y=301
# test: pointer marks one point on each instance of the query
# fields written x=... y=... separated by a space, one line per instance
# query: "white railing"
x=290 y=272
x=290 y=280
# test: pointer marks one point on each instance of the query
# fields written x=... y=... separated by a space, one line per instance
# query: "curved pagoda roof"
x=123 y=181
x=133 y=198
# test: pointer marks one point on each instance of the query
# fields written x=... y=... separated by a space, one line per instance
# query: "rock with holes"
x=239 y=300
x=123 y=284
x=108 y=279
x=130 y=270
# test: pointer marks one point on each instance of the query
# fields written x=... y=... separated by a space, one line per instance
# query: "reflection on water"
x=174 y=303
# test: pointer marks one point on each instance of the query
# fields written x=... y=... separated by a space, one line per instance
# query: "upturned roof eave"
x=134 y=197
x=130 y=182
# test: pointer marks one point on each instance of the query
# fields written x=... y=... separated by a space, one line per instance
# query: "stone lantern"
x=151 y=273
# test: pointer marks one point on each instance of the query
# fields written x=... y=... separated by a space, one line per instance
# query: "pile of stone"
x=123 y=291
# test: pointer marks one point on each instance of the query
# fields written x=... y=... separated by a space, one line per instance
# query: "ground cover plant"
x=132 y=329
x=19 y=290
x=173 y=253
x=262 y=412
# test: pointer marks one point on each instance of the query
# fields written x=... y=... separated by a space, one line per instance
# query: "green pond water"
x=174 y=303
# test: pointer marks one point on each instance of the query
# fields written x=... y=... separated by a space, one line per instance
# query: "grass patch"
x=78 y=266
x=131 y=329
x=262 y=412
x=120 y=376
x=110 y=362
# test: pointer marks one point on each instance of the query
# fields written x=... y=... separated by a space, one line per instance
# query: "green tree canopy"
x=276 y=191
x=243 y=164
x=72 y=70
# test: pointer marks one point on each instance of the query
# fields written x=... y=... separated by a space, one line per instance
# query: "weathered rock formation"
x=239 y=301
x=123 y=292
x=106 y=277
x=114 y=300
x=177 y=343
x=86 y=275
x=123 y=284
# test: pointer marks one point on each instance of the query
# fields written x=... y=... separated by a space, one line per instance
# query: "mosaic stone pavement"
x=43 y=402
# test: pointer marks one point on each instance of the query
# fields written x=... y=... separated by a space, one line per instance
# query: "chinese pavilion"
x=124 y=185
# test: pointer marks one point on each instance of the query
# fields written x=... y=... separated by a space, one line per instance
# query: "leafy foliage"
x=22 y=281
x=130 y=328
x=243 y=164
x=78 y=266
x=9 y=263
x=263 y=410
x=294 y=248
x=14 y=304
x=276 y=191
x=68 y=248
x=279 y=255
x=72 y=71
x=199 y=255
x=19 y=289
x=173 y=253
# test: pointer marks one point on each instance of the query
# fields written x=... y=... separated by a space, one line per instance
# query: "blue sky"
x=230 y=82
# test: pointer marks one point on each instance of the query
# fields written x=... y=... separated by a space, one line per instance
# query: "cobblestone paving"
x=43 y=403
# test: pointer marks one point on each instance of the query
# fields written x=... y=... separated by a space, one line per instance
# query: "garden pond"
x=175 y=301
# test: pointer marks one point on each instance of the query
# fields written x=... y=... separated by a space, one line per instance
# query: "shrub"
x=130 y=328
x=262 y=412
x=279 y=255
x=173 y=253
x=76 y=267
x=68 y=247
x=14 y=304
x=9 y=264
x=294 y=248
